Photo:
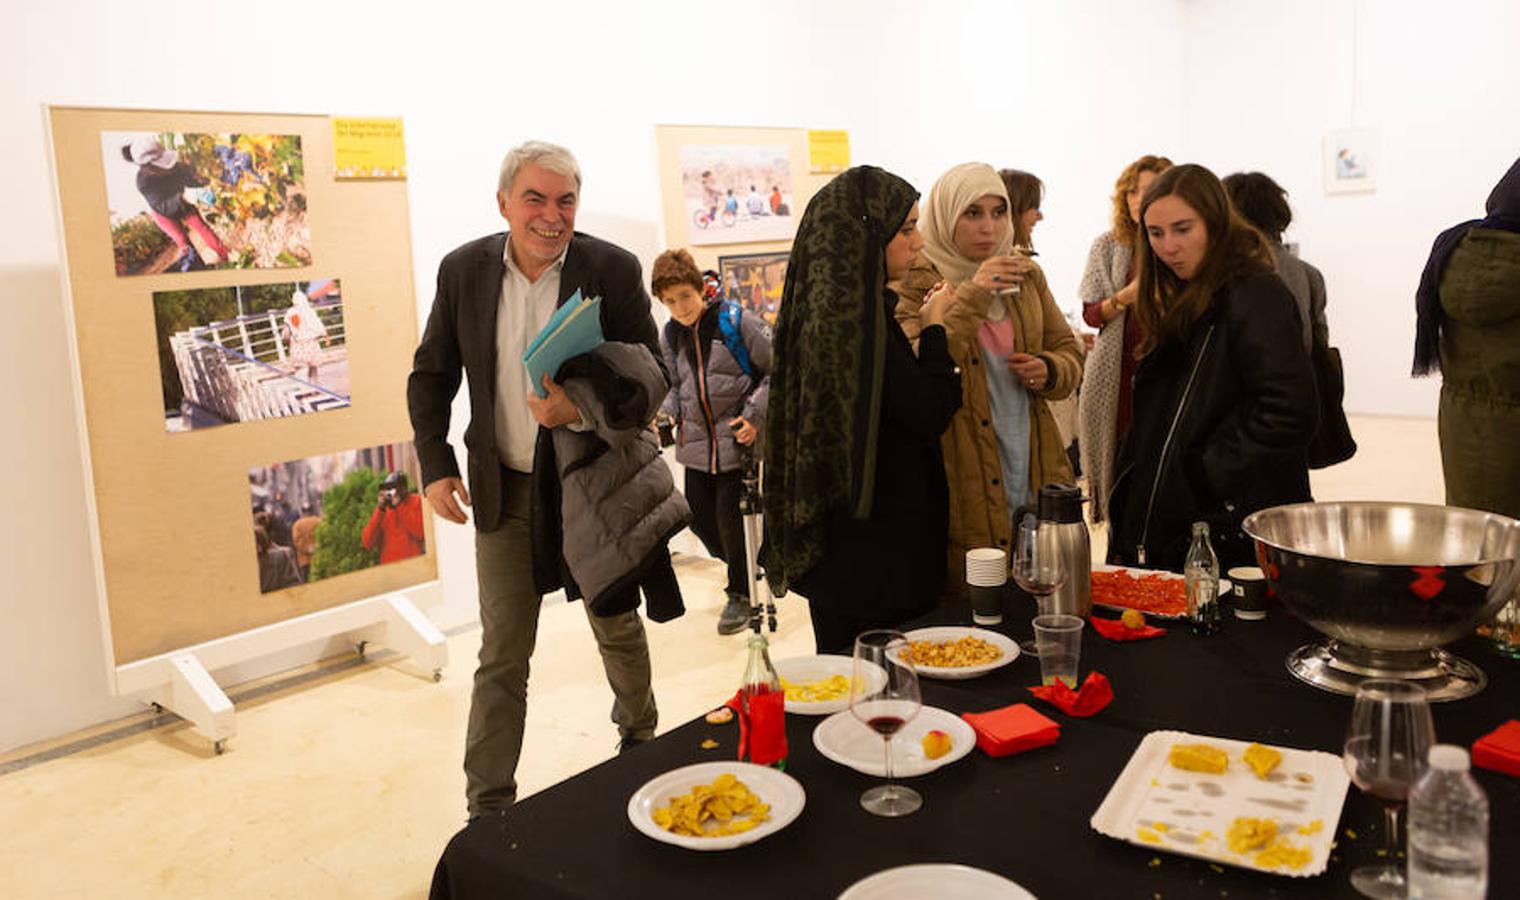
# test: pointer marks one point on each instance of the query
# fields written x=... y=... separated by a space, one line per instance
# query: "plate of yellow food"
x=957 y=652
x=716 y=805
x=929 y=740
x=1257 y=806
x=820 y=685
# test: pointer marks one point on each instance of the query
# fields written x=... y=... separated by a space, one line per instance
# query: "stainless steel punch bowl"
x=1388 y=584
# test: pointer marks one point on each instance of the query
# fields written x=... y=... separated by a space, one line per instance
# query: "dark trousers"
x=836 y=633
x=715 y=519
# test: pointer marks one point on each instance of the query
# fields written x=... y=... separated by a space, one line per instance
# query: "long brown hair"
x=1125 y=228
x=1025 y=191
x=1167 y=305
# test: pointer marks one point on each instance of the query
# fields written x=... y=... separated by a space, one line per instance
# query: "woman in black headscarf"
x=1469 y=329
x=856 y=508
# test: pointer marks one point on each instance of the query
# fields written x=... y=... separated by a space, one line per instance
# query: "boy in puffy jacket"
x=719 y=361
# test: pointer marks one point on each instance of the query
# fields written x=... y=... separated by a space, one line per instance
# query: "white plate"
x=800 y=669
x=1225 y=586
x=850 y=742
x=1196 y=808
x=954 y=633
x=780 y=790
x=941 y=881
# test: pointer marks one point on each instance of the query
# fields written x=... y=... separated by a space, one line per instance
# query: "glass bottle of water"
x=1201 y=570
x=1448 y=830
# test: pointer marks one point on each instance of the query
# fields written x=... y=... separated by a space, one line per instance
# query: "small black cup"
x=987 y=603
x=1250 y=592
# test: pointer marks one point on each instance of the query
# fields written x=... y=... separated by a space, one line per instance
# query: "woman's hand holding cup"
x=998 y=273
x=937 y=304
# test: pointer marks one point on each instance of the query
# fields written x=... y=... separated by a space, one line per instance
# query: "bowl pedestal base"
x=1339 y=667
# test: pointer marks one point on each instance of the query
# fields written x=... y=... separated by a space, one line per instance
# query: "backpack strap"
x=729 y=315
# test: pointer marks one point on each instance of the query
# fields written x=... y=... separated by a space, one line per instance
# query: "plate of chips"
x=956 y=652
x=716 y=805
x=819 y=685
x=848 y=741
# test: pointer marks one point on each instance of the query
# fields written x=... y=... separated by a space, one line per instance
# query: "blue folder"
x=575 y=328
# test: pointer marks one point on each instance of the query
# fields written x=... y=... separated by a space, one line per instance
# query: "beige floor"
x=348 y=784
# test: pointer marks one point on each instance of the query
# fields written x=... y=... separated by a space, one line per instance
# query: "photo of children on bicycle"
x=737 y=193
x=181 y=202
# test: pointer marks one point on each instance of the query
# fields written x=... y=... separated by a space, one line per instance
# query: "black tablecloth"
x=1023 y=816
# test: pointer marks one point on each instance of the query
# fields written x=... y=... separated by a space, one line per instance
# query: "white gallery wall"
x=1262 y=84
x=1070 y=91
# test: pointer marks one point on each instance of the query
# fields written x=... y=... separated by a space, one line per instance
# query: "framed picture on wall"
x=755 y=281
x=1351 y=161
x=738 y=193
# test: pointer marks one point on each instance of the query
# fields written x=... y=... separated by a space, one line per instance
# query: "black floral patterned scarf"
x=829 y=354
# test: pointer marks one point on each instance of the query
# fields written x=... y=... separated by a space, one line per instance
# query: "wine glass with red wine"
x=884 y=695
x=1386 y=748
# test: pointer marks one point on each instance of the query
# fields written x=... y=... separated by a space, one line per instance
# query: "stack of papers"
x=575 y=328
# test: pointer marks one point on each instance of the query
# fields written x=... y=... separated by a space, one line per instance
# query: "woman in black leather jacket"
x=1224 y=394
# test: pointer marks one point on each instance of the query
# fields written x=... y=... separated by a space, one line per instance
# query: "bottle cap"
x=1449 y=758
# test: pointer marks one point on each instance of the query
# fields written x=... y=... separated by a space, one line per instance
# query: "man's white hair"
x=539 y=153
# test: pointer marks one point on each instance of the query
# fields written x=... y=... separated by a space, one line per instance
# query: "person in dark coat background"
x=856 y=506
x=1225 y=402
x=1469 y=329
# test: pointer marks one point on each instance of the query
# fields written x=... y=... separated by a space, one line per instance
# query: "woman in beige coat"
x=1015 y=352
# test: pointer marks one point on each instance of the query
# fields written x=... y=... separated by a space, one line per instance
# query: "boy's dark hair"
x=126 y=153
x=1260 y=201
x=671 y=268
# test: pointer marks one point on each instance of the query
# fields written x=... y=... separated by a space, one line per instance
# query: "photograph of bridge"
x=262 y=351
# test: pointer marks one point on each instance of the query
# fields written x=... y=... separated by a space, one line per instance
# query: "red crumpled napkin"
x=1012 y=729
x=1115 y=630
x=1094 y=694
x=762 y=730
x=1499 y=749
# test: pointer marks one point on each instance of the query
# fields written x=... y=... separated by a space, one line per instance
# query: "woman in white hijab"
x=1015 y=351
x=304 y=333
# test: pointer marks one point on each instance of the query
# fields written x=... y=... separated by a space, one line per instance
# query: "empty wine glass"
x=1386 y=749
x=1039 y=567
x=884 y=695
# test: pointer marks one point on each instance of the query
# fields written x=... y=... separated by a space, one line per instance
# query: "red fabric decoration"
x=1012 y=729
x=1499 y=749
x=1094 y=694
x=1429 y=584
x=762 y=729
x=1115 y=630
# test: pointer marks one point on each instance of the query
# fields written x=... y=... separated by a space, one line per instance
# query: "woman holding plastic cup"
x=1015 y=352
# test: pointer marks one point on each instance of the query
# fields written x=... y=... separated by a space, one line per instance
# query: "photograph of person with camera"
x=395 y=528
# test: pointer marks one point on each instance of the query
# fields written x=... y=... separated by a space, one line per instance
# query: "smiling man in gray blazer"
x=494 y=295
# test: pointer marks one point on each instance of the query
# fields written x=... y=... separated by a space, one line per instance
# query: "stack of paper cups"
x=986 y=567
x=986 y=573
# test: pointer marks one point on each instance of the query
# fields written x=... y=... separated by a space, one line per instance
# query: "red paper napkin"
x=1012 y=729
x=1094 y=694
x=1115 y=630
x=1499 y=749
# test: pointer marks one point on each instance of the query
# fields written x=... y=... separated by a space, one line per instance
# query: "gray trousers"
x=509 y=627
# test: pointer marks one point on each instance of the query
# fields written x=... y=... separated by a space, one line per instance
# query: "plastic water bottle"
x=1448 y=830
x=1201 y=571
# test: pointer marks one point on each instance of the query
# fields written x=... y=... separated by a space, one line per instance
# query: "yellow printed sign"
x=369 y=148
x=828 y=151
